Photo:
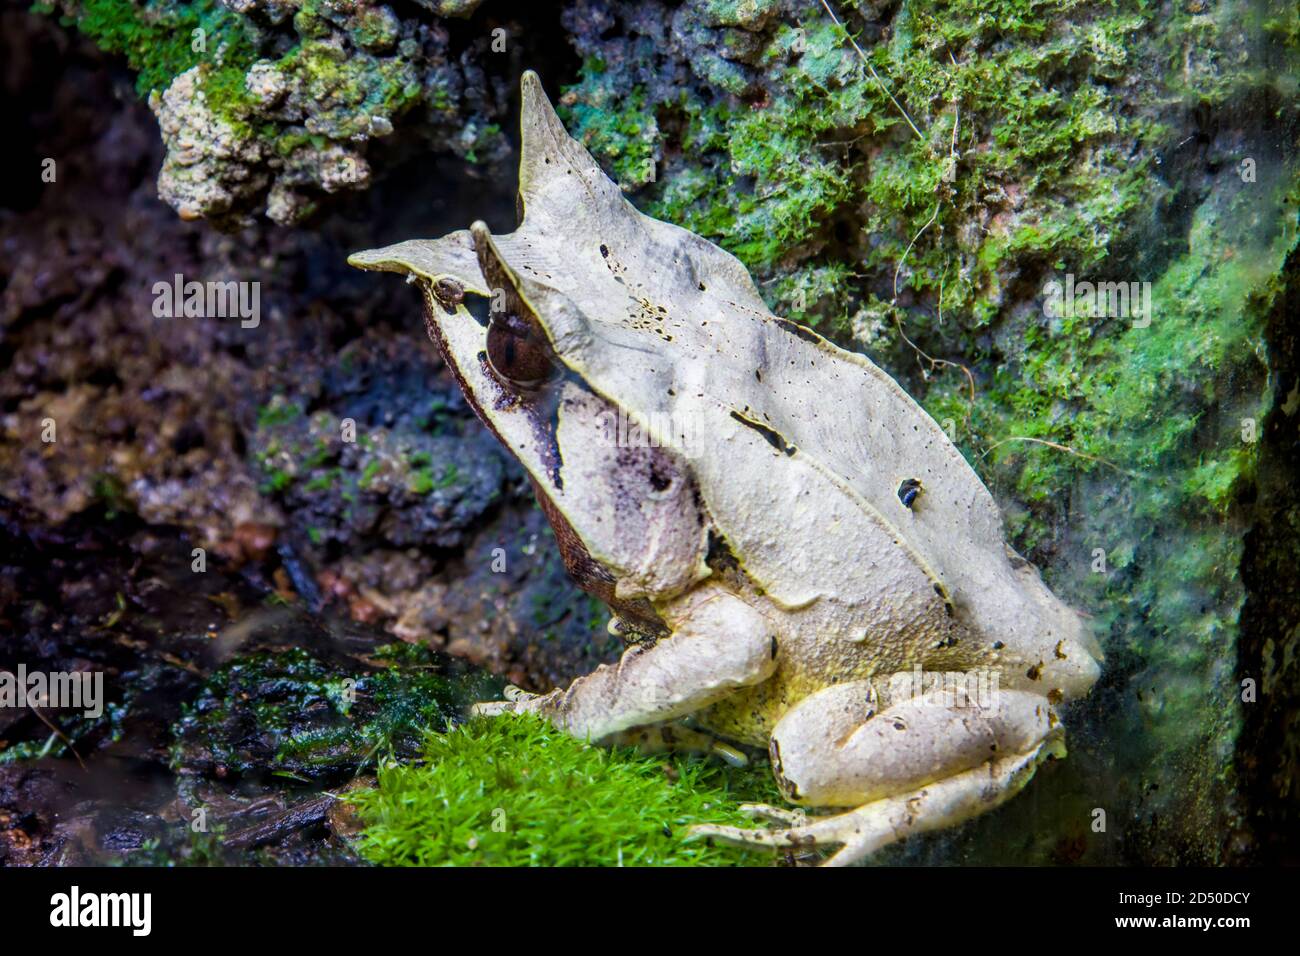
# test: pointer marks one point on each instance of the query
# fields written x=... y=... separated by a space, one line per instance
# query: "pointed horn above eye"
x=549 y=154
x=498 y=273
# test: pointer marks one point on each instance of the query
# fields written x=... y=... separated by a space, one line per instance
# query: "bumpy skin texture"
x=759 y=525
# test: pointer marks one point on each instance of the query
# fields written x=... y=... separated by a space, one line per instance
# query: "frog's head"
x=504 y=312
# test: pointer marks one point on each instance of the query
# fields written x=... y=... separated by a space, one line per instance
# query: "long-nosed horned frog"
x=788 y=537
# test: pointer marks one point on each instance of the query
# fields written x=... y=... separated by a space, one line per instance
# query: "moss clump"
x=158 y=39
x=1017 y=148
x=292 y=712
x=515 y=792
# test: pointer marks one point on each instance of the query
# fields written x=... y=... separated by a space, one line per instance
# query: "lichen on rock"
x=269 y=105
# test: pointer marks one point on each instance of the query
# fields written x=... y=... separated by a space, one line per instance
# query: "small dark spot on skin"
x=659 y=481
x=1055 y=696
x=701 y=287
x=773 y=648
x=758 y=375
x=1035 y=672
x=1060 y=654
x=898 y=724
x=908 y=492
x=998 y=645
x=604 y=250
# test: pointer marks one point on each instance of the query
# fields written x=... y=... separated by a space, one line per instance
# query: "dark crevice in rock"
x=1268 y=748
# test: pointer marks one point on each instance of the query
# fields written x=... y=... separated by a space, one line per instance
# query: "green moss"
x=620 y=129
x=278 y=411
x=295 y=712
x=158 y=39
x=423 y=482
x=1044 y=162
x=516 y=792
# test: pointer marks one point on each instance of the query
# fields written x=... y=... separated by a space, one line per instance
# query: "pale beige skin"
x=761 y=545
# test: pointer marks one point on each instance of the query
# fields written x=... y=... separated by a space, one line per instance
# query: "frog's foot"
x=922 y=765
x=863 y=831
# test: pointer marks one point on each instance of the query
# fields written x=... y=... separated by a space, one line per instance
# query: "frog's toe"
x=517 y=695
x=492 y=708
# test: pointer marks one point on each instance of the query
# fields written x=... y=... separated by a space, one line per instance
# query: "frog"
x=796 y=553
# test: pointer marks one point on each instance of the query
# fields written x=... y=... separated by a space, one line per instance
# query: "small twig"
x=939 y=363
x=872 y=70
x=903 y=261
x=58 y=733
x=1060 y=447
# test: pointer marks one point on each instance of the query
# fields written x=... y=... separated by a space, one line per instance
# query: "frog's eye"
x=518 y=352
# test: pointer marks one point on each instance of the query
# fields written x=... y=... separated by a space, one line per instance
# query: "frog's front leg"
x=921 y=765
x=718 y=644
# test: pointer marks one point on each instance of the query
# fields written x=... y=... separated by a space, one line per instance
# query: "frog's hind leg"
x=920 y=766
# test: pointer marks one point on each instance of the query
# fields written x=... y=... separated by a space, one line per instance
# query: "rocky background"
x=909 y=196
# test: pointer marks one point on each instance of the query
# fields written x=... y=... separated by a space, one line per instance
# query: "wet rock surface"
x=271 y=107
x=224 y=715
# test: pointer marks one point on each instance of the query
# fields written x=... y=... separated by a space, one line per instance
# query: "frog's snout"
x=1075 y=658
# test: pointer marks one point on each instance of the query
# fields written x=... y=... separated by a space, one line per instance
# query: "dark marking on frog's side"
x=797 y=330
x=770 y=435
x=909 y=491
x=783 y=783
x=719 y=557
